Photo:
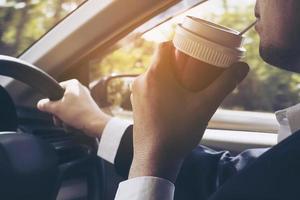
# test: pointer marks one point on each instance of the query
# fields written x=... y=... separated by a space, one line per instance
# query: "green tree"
x=22 y=22
x=133 y=58
x=265 y=89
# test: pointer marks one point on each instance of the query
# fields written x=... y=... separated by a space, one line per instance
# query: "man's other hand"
x=77 y=109
x=169 y=121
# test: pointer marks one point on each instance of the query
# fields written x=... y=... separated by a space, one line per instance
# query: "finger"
x=163 y=65
x=164 y=57
x=226 y=83
x=68 y=128
x=46 y=105
x=57 y=122
x=64 y=84
x=67 y=83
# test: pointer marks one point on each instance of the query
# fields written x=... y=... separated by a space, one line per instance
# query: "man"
x=162 y=150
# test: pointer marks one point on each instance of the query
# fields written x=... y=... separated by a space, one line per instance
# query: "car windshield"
x=23 y=22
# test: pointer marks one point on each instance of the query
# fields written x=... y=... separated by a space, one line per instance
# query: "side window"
x=132 y=58
x=266 y=89
x=24 y=22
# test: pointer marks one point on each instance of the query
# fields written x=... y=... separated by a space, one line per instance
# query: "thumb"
x=226 y=83
x=46 y=105
x=163 y=58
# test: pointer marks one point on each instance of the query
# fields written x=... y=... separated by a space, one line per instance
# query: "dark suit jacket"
x=259 y=174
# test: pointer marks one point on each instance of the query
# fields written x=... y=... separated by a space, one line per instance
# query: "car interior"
x=105 y=44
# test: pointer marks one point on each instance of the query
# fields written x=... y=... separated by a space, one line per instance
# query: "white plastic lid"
x=208 y=42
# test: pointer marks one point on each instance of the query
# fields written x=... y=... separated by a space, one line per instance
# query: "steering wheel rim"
x=30 y=75
x=46 y=85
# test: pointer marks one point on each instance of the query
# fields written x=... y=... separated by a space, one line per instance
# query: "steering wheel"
x=29 y=166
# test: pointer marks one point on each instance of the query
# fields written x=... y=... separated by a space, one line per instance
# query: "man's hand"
x=169 y=121
x=77 y=109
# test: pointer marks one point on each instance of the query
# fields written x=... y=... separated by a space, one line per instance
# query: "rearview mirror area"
x=113 y=92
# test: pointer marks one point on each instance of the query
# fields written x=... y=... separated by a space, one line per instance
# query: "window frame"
x=238 y=134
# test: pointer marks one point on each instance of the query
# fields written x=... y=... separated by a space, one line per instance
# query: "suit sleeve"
x=203 y=172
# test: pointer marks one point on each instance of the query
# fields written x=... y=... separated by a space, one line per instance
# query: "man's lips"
x=257 y=27
x=257 y=14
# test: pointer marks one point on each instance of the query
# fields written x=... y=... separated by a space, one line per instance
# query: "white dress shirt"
x=289 y=120
x=145 y=188
x=111 y=138
x=153 y=188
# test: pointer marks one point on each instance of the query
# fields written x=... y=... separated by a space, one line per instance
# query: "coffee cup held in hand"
x=203 y=51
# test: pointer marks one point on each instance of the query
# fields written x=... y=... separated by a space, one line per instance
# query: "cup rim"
x=214 y=25
x=237 y=51
x=214 y=32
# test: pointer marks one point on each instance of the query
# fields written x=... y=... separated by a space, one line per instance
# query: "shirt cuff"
x=145 y=188
x=111 y=138
x=284 y=128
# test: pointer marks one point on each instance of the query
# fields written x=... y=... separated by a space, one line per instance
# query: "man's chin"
x=284 y=59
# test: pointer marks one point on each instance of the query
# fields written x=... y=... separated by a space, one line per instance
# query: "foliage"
x=266 y=88
x=22 y=22
x=132 y=58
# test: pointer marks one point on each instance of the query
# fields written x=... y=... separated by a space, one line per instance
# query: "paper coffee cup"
x=211 y=43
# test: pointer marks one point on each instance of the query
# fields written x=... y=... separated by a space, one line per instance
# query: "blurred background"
x=266 y=89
